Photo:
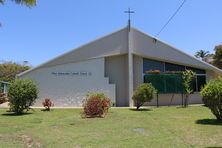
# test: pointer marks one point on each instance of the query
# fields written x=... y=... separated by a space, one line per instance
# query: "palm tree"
x=201 y=54
x=28 y=3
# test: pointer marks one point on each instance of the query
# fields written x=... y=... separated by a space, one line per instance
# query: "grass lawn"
x=158 y=127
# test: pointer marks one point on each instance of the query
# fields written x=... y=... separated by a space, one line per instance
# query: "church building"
x=116 y=65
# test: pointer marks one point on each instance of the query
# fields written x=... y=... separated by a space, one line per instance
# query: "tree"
x=218 y=56
x=187 y=77
x=212 y=97
x=201 y=54
x=144 y=93
x=28 y=3
x=21 y=95
x=9 y=70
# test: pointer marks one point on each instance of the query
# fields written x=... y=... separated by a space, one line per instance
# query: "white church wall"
x=137 y=71
x=68 y=84
x=116 y=70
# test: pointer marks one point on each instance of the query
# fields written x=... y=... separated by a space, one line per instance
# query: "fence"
x=165 y=83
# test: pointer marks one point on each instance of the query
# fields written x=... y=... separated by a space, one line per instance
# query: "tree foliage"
x=212 y=97
x=21 y=95
x=218 y=56
x=9 y=70
x=201 y=54
x=28 y=3
x=144 y=93
x=187 y=77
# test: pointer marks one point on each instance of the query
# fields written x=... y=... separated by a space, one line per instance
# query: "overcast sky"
x=55 y=27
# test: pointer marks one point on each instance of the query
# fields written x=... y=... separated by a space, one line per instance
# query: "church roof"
x=119 y=42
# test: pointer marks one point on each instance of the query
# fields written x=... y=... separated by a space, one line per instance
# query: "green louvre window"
x=173 y=83
x=165 y=83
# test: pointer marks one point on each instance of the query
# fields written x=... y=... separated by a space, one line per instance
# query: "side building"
x=115 y=64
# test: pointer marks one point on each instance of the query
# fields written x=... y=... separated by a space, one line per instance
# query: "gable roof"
x=112 y=44
x=147 y=46
x=119 y=42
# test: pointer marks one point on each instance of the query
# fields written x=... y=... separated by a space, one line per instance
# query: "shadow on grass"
x=209 y=122
x=142 y=109
x=14 y=114
x=179 y=107
x=213 y=147
x=46 y=110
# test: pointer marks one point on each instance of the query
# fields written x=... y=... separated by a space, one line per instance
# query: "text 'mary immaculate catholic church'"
x=115 y=65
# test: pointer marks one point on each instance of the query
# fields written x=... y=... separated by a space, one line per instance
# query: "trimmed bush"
x=212 y=97
x=96 y=105
x=47 y=103
x=22 y=94
x=144 y=93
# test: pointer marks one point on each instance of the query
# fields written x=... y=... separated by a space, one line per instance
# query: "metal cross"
x=129 y=21
x=129 y=12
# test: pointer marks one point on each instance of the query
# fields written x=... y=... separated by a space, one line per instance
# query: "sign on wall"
x=72 y=73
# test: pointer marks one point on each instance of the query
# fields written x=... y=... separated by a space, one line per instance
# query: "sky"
x=52 y=28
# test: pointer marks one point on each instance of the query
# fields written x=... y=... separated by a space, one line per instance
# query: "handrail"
x=5 y=82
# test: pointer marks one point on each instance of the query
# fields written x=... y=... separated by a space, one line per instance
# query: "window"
x=152 y=65
x=174 y=67
x=194 y=84
x=198 y=82
x=201 y=81
x=197 y=71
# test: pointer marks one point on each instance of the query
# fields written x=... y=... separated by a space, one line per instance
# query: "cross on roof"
x=129 y=21
x=129 y=12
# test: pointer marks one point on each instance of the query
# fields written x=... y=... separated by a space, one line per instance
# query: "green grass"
x=157 y=127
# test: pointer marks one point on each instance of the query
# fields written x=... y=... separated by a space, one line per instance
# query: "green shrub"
x=96 y=105
x=212 y=97
x=144 y=93
x=22 y=94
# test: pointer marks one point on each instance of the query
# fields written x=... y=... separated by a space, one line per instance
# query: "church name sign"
x=72 y=73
